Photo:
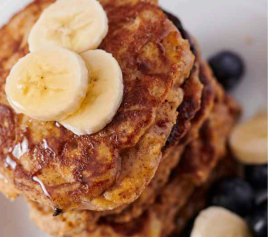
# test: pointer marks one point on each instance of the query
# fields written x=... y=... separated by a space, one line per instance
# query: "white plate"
x=239 y=25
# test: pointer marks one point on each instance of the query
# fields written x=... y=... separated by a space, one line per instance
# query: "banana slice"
x=78 y=25
x=219 y=222
x=104 y=95
x=48 y=85
x=13 y=106
x=249 y=140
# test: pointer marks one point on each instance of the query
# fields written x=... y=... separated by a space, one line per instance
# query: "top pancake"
x=49 y=164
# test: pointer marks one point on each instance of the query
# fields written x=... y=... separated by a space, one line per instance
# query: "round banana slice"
x=104 y=95
x=48 y=85
x=78 y=25
x=249 y=140
x=219 y=222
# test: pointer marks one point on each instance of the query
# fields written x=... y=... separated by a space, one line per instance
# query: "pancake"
x=144 y=226
x=185 y=131
x=148 y=172
x=197 y=104
x=111 y=168
x=199 y=158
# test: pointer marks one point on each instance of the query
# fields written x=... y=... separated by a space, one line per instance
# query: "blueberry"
x=258 y=220
x=257 y=176
x=228 y=68
x=233 y=194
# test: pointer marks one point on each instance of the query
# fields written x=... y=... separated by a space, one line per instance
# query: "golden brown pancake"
x=195 y=108
x=200 y=157
x=147 y=225
x=112 y=167
x=145 y=170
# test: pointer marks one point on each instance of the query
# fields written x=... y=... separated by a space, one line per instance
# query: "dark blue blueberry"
x=233 y=194
x=228 y=68
x=258 y=220
x=257 y=176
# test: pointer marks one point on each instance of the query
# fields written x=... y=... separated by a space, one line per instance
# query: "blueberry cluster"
x=246 y=197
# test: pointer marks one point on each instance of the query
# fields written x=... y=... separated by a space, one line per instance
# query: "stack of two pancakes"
x=148 y=172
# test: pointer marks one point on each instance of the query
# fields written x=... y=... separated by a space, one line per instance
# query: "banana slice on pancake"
x=77 y=25
x=48 y=85
x=104 y=94
x=83 y=95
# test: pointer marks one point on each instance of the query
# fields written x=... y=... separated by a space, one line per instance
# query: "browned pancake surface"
x=96 y=172
x=199 y=94
x=194 y=102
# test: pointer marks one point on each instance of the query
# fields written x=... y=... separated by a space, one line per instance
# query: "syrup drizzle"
x=42 y=186
x=46 y=146
x=20 y=148
x=10 y=163
x=57 y=124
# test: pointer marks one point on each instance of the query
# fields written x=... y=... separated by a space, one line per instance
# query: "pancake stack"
x=150 y=170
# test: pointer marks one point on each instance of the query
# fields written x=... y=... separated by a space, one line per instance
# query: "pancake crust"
x=112 y=167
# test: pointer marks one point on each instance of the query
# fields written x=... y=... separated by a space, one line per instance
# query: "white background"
x=238 y=25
